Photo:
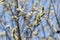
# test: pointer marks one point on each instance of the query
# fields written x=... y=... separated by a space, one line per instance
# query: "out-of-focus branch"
x=58 y=31
x=56 y=15
x=6 y=31
x=43 y=29
x=47 y=20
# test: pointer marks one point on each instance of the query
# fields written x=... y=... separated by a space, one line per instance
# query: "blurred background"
x=35 y=19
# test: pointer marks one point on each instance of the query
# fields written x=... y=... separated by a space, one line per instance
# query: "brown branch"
x=18 y=27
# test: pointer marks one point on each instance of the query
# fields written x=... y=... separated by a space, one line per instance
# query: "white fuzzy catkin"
x=8 y=26
x=35 y=32
x=2 y=33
